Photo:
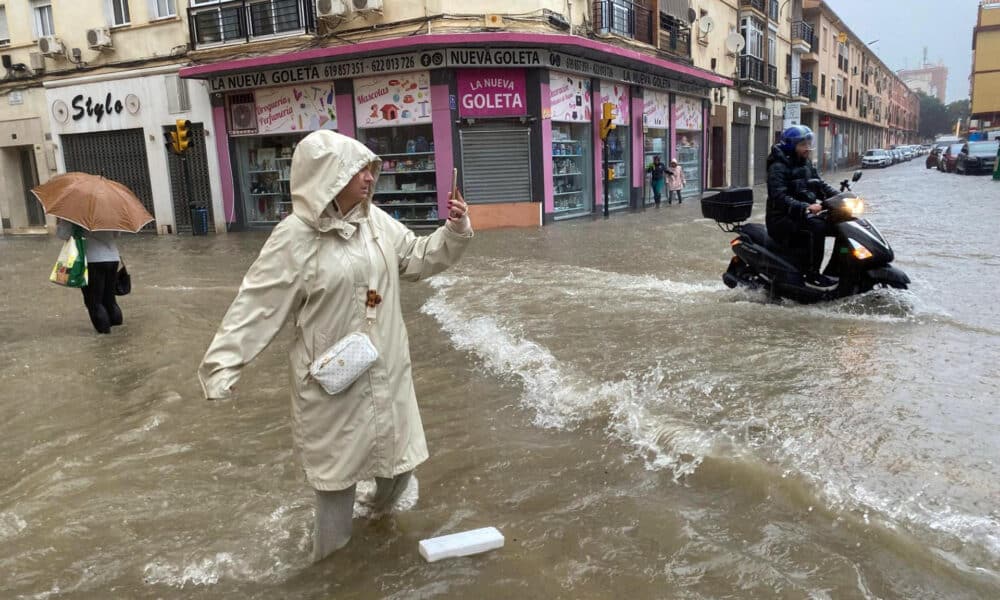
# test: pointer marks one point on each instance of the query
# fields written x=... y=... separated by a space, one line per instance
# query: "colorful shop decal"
x=491 y=93
x=569 y=97
x=655 y=109
x=617 y=94
x=687 y=114
x=387 y=101
x=296 y=108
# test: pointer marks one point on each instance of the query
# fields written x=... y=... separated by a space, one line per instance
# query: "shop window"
x=572 y=168
x=406 y=189
x=266 y=165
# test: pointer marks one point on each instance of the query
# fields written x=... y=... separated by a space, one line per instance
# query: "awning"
x=678 y=9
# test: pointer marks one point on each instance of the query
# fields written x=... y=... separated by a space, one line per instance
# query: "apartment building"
x=859 y=103
x=90 y=86
x=985 y=79
x=511 y=94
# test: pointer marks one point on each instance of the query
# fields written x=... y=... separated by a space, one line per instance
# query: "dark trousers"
x=99 y=295
x=806 y=237
x=671 y=194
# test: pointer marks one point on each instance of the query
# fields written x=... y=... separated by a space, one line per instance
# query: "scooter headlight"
x=856 y=206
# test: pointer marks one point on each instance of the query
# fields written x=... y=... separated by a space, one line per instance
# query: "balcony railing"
x=802 y=87
x=753 y=70
x=755 y=4
x=675 y=37
x=249 y=20
x=624 y=18
x=803 y=31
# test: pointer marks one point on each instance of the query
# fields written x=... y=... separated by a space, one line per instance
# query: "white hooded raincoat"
x=315 y=269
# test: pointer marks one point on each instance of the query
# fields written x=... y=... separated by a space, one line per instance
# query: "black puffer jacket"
x=788 y=195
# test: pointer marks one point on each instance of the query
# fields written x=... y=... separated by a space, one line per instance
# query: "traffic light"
x=611 y=173
x=179 y=136
x=607 y=119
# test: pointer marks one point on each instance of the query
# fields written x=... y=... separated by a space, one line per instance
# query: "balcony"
x=753 y=72
x=803 y=37
x=757 y=5
x=625 y=19
x=675 y=37
x=249 y=20
x=802 y=88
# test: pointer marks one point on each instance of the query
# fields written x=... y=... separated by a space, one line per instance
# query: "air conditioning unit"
x=50 y=46
x=242 y=113
x=99 y=38
x=36 y=61
x=363 y=6
x=331 y=8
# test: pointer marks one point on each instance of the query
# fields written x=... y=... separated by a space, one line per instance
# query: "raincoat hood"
x=323 y=164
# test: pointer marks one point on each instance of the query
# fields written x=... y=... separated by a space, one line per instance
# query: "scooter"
x=861 y=256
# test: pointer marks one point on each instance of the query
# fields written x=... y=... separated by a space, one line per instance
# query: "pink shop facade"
x=517 y=114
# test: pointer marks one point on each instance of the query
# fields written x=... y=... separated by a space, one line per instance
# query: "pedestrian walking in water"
x=657 y=171
x=676 y=182
x=102 y=276
x=331 y=267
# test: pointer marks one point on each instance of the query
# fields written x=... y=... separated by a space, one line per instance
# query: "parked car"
x=897 y=155
x=907 y=152
x=934 y=155
x=947 y=160
x=977 y=157
x=876 y=157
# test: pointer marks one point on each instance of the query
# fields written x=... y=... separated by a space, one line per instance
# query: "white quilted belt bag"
x=341 y=364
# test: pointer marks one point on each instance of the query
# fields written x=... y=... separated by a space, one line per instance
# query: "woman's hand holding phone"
x=458 y=210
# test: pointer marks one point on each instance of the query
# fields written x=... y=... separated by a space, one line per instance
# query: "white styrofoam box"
x=461 y=544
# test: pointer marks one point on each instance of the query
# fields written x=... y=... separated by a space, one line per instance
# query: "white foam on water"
x=199 y=572
x=11 y=525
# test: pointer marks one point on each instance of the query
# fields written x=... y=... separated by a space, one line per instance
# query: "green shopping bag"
x=71 y=266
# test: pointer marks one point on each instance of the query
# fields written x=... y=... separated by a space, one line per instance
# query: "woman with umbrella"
x=98 y=209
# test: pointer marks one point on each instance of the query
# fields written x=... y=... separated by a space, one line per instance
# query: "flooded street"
x=592 y=389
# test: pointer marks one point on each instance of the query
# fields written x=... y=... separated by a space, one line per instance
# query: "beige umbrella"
x=93 y=202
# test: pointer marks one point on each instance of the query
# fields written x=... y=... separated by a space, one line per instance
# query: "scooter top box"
x=728 y=206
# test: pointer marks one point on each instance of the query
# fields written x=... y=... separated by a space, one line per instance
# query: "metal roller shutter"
x=197 y=158
x=761 y=148
x=496 y=165
x=741 y=155
x=117 y=155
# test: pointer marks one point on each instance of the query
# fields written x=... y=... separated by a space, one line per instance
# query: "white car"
x=876 y=157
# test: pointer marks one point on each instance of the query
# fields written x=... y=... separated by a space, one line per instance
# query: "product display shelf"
x=396 y=154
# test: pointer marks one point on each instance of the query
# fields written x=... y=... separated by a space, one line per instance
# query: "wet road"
x=592 y=389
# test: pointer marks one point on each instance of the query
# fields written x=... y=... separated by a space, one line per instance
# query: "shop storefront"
x=115 y=128
x=656 y=134
x=572 y=145
x=689 y=141
x=619 y=143
x=264 y=127
x=761 y=144
x=740 y=160
x=518 y=123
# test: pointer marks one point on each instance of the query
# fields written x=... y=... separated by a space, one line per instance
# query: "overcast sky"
x=904 y=27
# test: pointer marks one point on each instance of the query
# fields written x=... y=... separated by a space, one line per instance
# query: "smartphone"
x=454 y=182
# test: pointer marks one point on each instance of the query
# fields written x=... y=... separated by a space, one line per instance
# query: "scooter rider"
x=792 y=206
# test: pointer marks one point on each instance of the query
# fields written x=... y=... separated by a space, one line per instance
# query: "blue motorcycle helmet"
x=791 y=137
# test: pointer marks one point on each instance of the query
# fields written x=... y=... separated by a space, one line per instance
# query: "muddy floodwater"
x=592 y=389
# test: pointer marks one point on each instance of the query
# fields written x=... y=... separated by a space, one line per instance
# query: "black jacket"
x=788 y=195
x=658 y=170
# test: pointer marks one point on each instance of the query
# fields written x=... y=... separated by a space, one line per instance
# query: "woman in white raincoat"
x=316 y=267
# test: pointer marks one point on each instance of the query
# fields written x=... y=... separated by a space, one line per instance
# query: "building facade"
x=929 y=79
x=92 y=86
x=985 y=79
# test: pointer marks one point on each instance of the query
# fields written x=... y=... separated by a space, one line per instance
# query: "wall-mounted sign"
x=491 y=93
x=296 y=108
x=655 y=109
x=16 y=97
x=569 y=98
x=742 y=113
x=86 y=106
x=793 y=114
x=763 y=117
x=688 y=113
x=617 y=94
x=387 y=101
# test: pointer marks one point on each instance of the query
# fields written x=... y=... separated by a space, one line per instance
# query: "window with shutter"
x=496 y=164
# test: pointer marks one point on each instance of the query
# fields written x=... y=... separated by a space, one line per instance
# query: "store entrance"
x=29 y=179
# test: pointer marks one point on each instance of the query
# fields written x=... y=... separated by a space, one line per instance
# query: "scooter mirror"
x=857 y=176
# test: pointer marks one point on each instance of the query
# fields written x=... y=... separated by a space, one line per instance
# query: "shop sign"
x=387 y=101
x=85 y=106
x=741 y=113
x=824 y=121
x=688 y=114
x=296 y=108
x=566 y=62
x=763 y=117
x=491 y=93
x=793 y=114
x=499 y=57
x=617 y=94
x=655 y=109
x=569 y=97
